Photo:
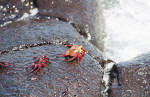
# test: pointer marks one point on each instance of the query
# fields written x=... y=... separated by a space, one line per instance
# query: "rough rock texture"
x=85 y=15
x=11 y=10
x=58 y=79
x=134 y=78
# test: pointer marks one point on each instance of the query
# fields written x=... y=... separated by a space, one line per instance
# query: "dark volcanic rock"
x=85 y=15
x=58 y=79
x=11 y=10
x=134 y=78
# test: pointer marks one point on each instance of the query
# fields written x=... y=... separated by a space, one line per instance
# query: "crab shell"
x=75 y=52
x=41 y=62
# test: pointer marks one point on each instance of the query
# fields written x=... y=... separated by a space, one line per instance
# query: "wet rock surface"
x=59 y=78
x=21 y=41
x=134 y=78
x=85 y=15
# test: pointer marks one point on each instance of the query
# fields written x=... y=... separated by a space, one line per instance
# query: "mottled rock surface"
x=134 y=78
x=59 y=78
x=85 y=15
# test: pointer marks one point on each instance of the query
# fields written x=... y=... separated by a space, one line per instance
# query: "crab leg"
x=5 y=64
x=79 y=58
x=33 y=69
x=39 y=68
x=72 y=58
x=61 y=55
x=43 y=65
x=68 y=45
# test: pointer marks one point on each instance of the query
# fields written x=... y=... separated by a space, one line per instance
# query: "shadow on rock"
x=134 y=78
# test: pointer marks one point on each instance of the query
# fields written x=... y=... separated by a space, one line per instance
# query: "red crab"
x=4 y=64
x=74 y=52
x=38 y=63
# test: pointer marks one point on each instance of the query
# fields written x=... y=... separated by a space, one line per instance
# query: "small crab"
x=38 y=63
x=4 y=64
x=74 y=52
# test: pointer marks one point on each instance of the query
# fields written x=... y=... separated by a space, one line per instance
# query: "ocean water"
x=127 y=26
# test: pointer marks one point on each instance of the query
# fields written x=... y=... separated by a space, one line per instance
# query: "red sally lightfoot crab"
x=74 y=52
x=38 y=63
x=4 y=64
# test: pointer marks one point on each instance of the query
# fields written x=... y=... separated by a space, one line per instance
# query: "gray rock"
x=12 y=10
x=58 y=79
x=134 y=78
x=85 y=15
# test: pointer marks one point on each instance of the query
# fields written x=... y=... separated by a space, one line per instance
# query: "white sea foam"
x=128 y=29
x=24 y=16
x=22 y=1
x=33 y=12
x=6 y=23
